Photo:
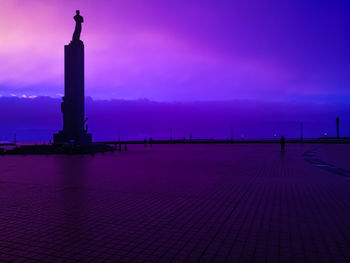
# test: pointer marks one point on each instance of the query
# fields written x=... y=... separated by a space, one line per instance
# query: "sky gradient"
x=184 y=50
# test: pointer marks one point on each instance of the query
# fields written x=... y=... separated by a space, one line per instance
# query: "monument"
x=74 y=122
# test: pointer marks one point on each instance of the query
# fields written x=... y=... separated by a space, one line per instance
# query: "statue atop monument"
x=78 y=21
x=75 y=129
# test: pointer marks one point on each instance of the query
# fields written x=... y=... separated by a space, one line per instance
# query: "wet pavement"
x=176 y=203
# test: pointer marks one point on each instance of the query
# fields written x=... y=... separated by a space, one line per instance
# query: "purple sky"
x=183 y=50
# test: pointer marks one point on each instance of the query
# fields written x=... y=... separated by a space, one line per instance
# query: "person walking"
x=283 y=143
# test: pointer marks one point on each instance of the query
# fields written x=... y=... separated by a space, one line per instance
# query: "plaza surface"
x=177 y=203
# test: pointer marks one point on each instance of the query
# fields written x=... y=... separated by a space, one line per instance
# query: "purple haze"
x=265 y=66
x=182 y=50
x=37 y=119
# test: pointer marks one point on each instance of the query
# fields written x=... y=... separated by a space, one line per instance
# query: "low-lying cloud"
x=36 y=119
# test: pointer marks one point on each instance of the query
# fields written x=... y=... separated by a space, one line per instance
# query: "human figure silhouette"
x=150 y=142
x=283 y=143
x=78 y=21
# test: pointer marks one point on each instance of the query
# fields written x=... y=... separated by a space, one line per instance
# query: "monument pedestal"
x=72 y=106
x=61 y=138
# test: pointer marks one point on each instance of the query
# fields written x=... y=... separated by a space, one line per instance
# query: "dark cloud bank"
x=35 y=120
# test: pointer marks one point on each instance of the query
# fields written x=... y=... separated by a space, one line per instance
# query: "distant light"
x=325 y=134
x=32 y=96
x=24 y=96
x=275 y=135
x=13 y=95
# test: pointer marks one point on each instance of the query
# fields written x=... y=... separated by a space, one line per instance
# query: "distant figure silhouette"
x=150 y=142
x=283 y=143
x=125 y=147
x=78 y=21
x=145 y=141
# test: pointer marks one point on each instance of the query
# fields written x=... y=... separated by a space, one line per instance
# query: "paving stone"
x=177 y=203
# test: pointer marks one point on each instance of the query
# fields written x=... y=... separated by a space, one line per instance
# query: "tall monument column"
x=72 y=106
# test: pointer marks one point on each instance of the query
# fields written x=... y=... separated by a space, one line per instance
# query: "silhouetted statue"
x=78 y=21
x=63 y=110
x=86 y=125
x=74 y=124
x=283 y=143
x=62 y=105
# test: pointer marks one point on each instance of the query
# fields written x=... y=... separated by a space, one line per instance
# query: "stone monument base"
x=83 y=139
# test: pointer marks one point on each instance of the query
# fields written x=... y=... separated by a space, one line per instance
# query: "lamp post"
x=301 y=131
x=337 y=123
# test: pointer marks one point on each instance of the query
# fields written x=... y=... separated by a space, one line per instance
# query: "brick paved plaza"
x=176 y=203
